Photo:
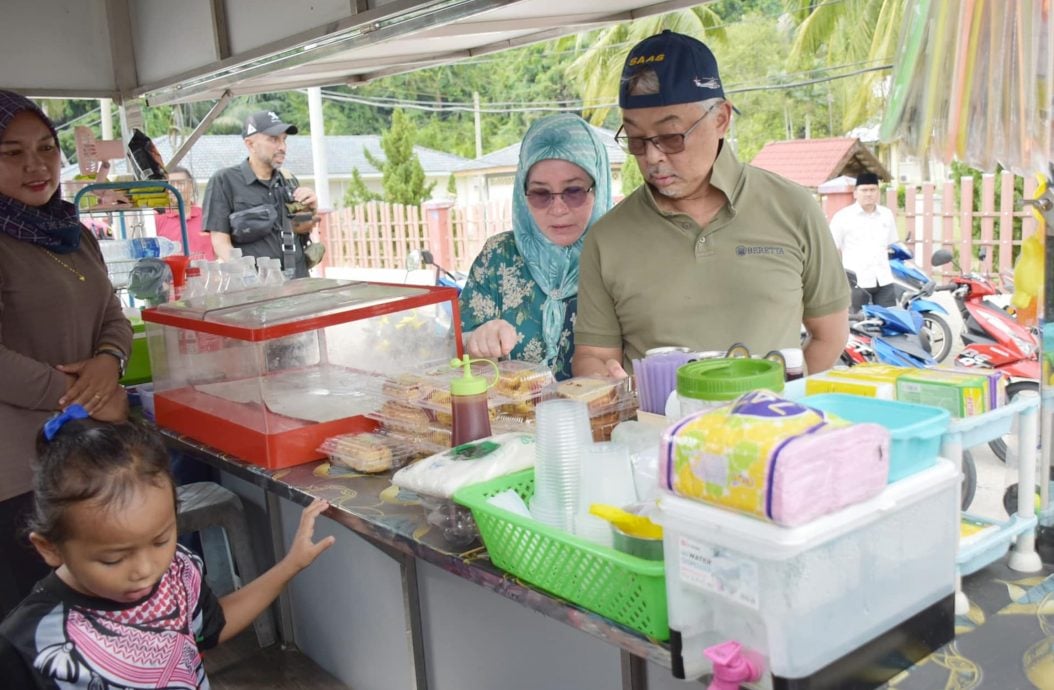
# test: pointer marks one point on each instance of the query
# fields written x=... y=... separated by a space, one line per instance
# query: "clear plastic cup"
x=607 y=476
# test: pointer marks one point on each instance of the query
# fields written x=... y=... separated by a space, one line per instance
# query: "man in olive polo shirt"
x=710 y=252
x=257 y=184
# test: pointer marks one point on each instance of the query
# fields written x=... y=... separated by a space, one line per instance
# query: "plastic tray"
x=369 y=452
x=915 y=430
x=624 y=588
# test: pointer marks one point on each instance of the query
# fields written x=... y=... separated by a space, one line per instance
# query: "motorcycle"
x=913 y=289
x=896 y=336
x=890 y=335
x=992 y=339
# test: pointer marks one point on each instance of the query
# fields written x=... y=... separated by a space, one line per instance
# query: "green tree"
x=357 y=191
x=631 y=176
x=851 y=32
x=402 y=174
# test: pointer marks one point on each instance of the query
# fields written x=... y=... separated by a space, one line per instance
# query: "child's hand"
x=303 y=551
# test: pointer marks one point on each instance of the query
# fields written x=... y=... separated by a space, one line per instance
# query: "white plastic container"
x=802 y=597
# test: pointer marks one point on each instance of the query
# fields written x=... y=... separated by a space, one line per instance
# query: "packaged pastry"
x=405 y=387
x=366 y=452
x=396 y=415
x=520 y=381
x=609 y=400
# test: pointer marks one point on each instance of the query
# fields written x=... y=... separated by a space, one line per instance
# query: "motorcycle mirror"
x=413 y=261
x=982 y=253
x=941 y=257
x=427 y=258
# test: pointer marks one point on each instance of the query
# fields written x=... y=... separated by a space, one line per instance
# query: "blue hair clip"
x=52 y=426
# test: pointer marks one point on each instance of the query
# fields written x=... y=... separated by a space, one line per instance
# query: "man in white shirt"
x=863 y=232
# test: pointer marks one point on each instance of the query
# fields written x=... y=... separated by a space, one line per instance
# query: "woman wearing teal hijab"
x=522 y=292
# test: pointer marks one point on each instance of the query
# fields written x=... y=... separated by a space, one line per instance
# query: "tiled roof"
x=811 y=162
x=343 y=152
x=508 y=157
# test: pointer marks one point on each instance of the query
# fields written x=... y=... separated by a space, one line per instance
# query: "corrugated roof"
x=343 y=152
x=811 y=162
x=509 y=157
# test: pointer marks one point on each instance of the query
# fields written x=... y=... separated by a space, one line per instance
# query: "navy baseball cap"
x=686 y=68
x=266 y=122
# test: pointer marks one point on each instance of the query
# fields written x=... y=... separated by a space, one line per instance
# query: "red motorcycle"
x=992 y=339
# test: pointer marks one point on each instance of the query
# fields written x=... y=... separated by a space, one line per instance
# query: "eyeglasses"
x=666 y=143
x=573 y=197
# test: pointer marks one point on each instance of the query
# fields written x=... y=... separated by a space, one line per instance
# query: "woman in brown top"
x=63 y=338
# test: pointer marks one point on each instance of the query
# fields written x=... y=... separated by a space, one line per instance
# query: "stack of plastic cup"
x=606 y=478
x=563 y=435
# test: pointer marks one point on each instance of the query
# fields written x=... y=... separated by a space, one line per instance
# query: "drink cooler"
x=807 y=596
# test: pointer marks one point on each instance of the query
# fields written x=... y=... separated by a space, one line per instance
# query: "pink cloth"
x=200 y=242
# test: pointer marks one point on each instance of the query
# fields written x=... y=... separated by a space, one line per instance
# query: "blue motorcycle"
x=913 y=289
x=889 y=335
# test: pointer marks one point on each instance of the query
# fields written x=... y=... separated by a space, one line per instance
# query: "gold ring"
x=96 y=396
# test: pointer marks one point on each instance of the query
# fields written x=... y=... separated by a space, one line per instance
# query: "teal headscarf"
x=569 y=138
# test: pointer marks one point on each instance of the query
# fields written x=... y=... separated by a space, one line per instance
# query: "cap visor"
x=279 y=129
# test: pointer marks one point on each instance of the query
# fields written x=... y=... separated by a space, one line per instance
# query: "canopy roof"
x=192 y=50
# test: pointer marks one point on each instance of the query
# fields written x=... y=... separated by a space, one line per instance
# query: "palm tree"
x=599 y=68
x=854 y=33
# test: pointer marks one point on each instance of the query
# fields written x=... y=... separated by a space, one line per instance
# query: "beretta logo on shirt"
x=744 y=250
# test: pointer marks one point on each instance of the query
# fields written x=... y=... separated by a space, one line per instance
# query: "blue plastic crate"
x=915 y=430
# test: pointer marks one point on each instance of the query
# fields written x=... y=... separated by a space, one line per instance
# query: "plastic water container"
x=915 y=430
x=805 y=596
x=711 y=383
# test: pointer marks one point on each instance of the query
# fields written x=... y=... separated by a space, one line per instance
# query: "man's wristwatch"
x=122 y=360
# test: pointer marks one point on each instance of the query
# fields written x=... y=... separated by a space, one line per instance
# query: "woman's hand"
x=304 y=550
x=493 y=339
x=114 y=410
x=95 y=382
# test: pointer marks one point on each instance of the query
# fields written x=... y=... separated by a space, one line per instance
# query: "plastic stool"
x=217 y=514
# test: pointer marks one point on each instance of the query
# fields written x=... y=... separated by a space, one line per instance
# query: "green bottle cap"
x=468 y=383
x=727 y=379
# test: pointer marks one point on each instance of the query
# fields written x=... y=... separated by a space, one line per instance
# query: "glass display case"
x=267 y=374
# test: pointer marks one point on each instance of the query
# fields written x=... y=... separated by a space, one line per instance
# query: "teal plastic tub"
x=915 y=430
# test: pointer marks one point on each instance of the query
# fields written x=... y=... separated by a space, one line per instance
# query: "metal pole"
x=318 y=146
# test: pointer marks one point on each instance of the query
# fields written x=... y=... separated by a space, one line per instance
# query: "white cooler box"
x=801 y=597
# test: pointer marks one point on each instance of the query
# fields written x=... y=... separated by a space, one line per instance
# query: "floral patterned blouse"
x=500 y=286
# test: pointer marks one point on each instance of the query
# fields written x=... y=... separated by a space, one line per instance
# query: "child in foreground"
x=126 y=607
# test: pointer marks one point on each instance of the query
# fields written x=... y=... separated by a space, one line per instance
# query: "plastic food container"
x=805 y=596
x=711 y=383
x=268 y=373
x=915 y=430
x=368 y=452
x=609 y=401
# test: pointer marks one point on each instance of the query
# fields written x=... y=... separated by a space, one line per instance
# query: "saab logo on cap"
x=644 y=59
x=274 y=118
x=710 y=83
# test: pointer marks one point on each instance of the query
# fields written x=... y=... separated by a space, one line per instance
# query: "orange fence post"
x=437 y=218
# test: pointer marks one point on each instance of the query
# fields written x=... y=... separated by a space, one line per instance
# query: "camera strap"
x=286 y=236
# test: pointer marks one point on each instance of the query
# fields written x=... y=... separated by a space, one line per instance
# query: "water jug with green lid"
x=468 y=402
x=713 y=382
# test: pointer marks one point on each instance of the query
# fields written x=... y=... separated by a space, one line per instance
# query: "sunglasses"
x=665 y=143
x=573 y=197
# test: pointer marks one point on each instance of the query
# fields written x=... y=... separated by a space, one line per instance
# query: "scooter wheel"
x=998 y=445
x=939 y=336
x=969 y=482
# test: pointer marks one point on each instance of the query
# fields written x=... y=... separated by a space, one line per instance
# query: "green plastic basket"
x=624 y=588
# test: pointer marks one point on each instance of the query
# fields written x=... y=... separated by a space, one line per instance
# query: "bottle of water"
x=250 y=275
x=214 y=278
x=197 y=274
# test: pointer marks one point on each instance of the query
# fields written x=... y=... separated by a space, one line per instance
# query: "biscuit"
x=398 y=415
x=404 y=388
x=517 y=379
x=597 y=393
x=361 y=452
